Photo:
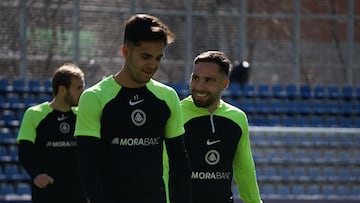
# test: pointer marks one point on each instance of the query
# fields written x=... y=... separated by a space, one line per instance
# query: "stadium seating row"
x=21 y=86
x=248 y=90
x=318 y=91
x=289 y=165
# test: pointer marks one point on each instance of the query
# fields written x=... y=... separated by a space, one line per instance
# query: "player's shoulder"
x=44 y=106
x=159 y=87
x=228 y=109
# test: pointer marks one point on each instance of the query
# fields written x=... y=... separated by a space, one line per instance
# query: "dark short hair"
x=63 y=76
x=144 y=27
x=217 y=57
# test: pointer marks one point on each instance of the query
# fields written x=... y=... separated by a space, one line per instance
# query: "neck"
x=60 y=105
x=213 y=107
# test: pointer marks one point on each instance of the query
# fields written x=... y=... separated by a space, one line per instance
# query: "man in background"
x=47 y=148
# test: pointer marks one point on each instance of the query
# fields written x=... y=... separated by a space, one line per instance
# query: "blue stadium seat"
x=289 y=121
x=3 y=103
x=331 y=121
x=261 y=106
x=285 y=174
x=357 y=92
x=355 y=190
x=304 y=107
x=4 y=157
x=15 y=102
x=6 y=136
x=4 y=85
x=258 y=120
x=19 y=85
x=301 y=174
x=43 y=98
x=10 y=119
x=317 y=121
x=305 y=91
x=274 y=120
x=234 y=90
x=231 y=101
x=346 y=122
x=328 y=190
x=346 y=107
x=264 y=91
x=29 y=101
x=248 y=106
x=315 y=173
x=313 y=189
x=268 y=189
x=347 y=92
x=319 y=92
x=329 y=172
x=344 y=174
x=291 y=106
x=298 y=189
x=35 y=86
x=284 y=190
x=319 y=106
x=276 y=106
x=249 y=90
x=343 y=190
x=291 y=91
x=47 y=85
x=303 y=121
x=6 y=189
x=333 y=91
x=23 y=189
x=355 y=172
x=12 y=172
x=179 y=87
x=278 y=91
x=13 y=152
x=270 y=174
x=332 y=107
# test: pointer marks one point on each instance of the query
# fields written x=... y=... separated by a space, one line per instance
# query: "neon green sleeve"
x=31 y=120
x=88 y=115
x=244 y=168
x=174 y=126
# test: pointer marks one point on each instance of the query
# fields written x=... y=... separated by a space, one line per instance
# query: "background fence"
x=286 y=41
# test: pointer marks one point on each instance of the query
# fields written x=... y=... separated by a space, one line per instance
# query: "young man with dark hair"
x=124 y=120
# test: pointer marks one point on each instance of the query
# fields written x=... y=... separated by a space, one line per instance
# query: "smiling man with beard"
x=217 y=136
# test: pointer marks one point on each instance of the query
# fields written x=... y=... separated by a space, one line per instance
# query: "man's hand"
x=43 y=180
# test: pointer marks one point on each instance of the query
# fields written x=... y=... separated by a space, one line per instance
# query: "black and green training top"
x=219 y=150
x=47 y=145
x=130 y=125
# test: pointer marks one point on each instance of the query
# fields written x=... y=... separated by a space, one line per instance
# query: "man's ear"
x=124 y=50
x=226 y=84
x=62 y=90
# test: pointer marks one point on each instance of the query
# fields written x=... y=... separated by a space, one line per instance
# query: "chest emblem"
x=64 y=127
x=212 y=157
x=138 y=117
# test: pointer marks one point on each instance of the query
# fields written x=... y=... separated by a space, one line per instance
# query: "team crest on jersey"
x=64 y=127
x=138 y=117
x=212 y=157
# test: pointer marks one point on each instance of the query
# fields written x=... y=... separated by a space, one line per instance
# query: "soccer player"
x=216 y=136
x=124 y=120
x=47 y=147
